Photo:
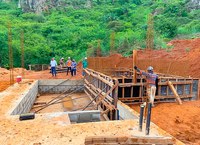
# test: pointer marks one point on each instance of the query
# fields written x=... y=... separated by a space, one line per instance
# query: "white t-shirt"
x=53 y=63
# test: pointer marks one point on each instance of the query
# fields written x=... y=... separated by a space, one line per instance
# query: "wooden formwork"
x=130 y=92
x=103 y=90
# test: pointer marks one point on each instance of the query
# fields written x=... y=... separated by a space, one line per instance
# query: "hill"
x=78 y=28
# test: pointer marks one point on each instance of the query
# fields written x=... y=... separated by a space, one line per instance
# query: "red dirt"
x=181 y=121
x=5 y=76
x=182 y=50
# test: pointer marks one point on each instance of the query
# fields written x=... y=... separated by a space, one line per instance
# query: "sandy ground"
x=54 y=128
x=76 y=101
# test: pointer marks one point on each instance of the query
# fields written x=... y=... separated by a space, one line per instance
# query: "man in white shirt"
x=53 y=64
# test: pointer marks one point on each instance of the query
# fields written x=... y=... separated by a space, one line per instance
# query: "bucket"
x=19 y=79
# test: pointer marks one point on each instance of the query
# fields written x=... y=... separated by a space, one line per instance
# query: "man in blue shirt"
x=151 y=82
x=53 y=64
x=73 y=67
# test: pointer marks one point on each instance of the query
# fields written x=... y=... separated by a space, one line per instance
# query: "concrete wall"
x=84 y=116
x=27 y=100
x=125 y=112
x=49 y=86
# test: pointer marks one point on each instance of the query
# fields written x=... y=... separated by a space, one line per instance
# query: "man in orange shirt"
x=68 y=64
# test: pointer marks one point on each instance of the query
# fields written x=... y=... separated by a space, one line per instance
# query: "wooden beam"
x=159 y=84
x=198 y=90
x=134 y=64
x=175 y=92
x=123 y=87
x=156 y=97
x=123 y=140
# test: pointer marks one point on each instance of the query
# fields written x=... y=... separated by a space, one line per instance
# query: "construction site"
x=104 y=106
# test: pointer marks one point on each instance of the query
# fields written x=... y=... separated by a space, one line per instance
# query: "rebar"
x=10 y=54
x=22 y=54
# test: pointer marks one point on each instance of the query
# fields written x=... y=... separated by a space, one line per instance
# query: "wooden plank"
x=175 y=92
x=198 y=90
x=159 y=84
x=156 y=97
x=98 y=140
x=134 y=64
x=123 y=88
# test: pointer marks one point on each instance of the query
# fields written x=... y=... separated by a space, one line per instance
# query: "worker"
x=85 y=65
x=69 y=64
x=61 y=62
x=73 y=67
x=53 y=64
x=151 y=82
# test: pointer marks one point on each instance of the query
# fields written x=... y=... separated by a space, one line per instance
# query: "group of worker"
x=70 y=64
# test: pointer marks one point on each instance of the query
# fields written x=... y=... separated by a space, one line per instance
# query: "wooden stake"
x=134 y=64
x=175 y=92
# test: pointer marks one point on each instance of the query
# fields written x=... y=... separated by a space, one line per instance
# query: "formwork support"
x=134 y=64
x=103 y=91
x=175 y=92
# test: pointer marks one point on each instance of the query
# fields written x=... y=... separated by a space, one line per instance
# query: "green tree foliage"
x=73 y=30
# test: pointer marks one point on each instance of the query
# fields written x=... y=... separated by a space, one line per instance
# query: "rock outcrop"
x=39 y=6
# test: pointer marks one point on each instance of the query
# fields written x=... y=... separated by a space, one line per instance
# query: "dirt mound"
x=4 y=71
x=181 y=121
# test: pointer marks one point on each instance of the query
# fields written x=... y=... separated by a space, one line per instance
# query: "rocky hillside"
x=38 y=6
x=44 y=5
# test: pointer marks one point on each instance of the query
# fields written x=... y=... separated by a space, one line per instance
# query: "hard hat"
x=150 y=68
x=68 y=57
x=62 y=58
x=85 y=57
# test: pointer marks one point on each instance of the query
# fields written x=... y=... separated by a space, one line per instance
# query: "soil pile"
x=181 y=121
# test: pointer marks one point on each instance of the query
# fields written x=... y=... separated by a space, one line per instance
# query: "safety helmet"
x=85 y=57
x=150 y=68
x=68 y=57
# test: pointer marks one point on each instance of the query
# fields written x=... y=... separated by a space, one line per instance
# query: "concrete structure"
x=125 y=112
x=25 y=103
x=51 y=86
x=84 y=116
x=55 y=128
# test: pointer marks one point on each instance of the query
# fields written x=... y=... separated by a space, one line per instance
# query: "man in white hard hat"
x=69 y=64
x=151 y=82
x=61 y=62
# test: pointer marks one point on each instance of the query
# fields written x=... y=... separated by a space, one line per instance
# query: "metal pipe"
x=141 y=116
x=148 y=119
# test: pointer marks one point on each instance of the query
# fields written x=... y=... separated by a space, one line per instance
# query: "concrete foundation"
x=25 y=103
x=84 y=116
x=125 y=112
x=50 y=86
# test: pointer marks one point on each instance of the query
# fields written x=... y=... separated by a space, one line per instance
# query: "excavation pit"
x=60 y=125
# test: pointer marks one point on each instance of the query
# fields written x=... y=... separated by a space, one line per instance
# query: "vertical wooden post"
x=115 y=93
x=191 y=87
x=123 y=86
x=134 y=64
x=183 y=87
x=198 y=90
